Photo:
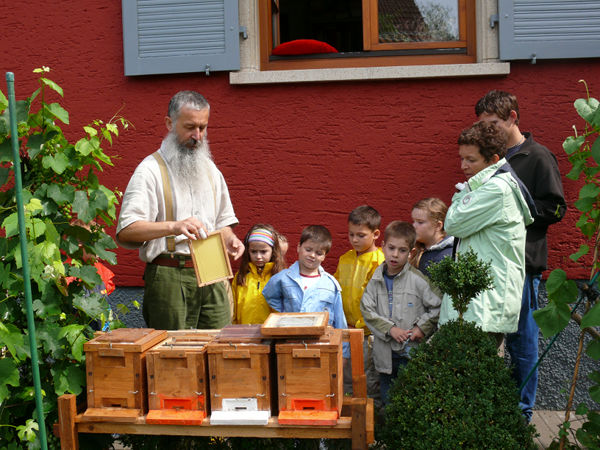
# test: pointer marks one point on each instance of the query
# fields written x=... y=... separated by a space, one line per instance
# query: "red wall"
x=293 y=154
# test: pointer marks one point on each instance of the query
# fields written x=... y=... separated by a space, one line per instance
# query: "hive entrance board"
x=240 y=411
x=210 y=259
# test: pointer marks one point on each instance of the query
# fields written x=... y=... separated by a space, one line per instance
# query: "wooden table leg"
x=359 y=379
x=359 y=424
x=67 y=410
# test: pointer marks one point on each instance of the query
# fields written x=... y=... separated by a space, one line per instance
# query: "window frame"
x=378 y=54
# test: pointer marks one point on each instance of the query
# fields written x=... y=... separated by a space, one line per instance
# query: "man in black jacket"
x=537 y=167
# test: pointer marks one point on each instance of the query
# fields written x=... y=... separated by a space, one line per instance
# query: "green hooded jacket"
x=489 y=216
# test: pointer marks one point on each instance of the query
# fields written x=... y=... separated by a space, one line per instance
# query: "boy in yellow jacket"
x=355 y=269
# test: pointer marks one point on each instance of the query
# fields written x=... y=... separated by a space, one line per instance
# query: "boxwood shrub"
x=456 y=393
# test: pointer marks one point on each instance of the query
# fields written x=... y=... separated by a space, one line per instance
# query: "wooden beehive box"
x=310 y=381
x=116 y=373
x=178 y=379
x=240 y=382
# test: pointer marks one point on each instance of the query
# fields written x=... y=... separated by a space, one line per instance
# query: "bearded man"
x=200 y=204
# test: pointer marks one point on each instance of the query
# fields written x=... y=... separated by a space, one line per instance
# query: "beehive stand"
x=355 y=422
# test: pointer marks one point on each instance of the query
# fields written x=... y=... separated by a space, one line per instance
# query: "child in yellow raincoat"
x=262 y=259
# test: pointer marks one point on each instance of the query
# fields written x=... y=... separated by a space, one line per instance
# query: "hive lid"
x=183 y=342
x=240 y=333
x=127 y=339
x=285 y=325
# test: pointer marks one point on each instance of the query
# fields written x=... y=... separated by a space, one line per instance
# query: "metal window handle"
x=329 y=395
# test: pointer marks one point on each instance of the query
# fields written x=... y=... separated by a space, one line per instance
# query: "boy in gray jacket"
x=398 y=305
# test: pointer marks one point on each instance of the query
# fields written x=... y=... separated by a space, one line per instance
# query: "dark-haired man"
x=537 y=167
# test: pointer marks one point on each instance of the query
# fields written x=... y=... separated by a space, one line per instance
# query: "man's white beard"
x=187 y=163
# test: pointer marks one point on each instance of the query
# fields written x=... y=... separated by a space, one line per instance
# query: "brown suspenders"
x=168 y=193
x=168 y=198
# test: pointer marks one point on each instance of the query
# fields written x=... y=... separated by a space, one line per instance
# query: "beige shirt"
x=206 y=199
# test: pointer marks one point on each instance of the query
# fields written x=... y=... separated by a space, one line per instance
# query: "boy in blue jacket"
x=305 y=286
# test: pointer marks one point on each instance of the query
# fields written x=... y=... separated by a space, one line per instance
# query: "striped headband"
x=262 y=235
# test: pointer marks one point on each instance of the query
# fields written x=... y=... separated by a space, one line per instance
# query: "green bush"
x=462 y=279
x=456 y=393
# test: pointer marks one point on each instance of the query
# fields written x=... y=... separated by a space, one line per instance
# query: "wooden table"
x=356 y=421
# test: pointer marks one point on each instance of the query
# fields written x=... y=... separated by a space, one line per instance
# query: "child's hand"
x=416 y=334
x=399 y=334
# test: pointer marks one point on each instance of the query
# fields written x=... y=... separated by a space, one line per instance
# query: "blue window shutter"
x=548 y=29
x=176 y=36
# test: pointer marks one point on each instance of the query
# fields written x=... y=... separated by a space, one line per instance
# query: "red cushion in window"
x=303 y=47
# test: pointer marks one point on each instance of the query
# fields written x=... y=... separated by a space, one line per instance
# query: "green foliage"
x=583 y=150
x=60 y=184
x=456 y=393
x=462 y=279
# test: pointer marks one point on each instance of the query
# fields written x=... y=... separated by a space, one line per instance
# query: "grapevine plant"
x=583 y=150
x=66 y=210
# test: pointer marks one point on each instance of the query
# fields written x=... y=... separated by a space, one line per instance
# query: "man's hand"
x=235 y=247
x=191 y=228
x=144 y=231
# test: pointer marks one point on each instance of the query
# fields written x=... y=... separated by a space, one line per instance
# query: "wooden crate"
x=178 y=379
x=116 y=373
x=240 y=381
x=310 y=379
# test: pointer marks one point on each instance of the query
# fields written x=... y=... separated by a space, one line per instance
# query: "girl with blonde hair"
x=433 y=244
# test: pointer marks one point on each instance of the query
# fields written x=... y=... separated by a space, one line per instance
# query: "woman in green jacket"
x=489 y=215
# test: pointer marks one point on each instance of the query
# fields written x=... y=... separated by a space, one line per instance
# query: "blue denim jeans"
x=386 y=380
x=523 y=345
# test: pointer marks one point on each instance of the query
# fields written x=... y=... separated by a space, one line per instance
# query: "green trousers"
x=173 y=300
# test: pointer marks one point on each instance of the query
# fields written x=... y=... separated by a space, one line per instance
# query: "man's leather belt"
x=181 y=261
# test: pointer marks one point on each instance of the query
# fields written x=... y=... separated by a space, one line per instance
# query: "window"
x=369 y=32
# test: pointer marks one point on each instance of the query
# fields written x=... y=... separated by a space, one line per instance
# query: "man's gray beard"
x=187 y=163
